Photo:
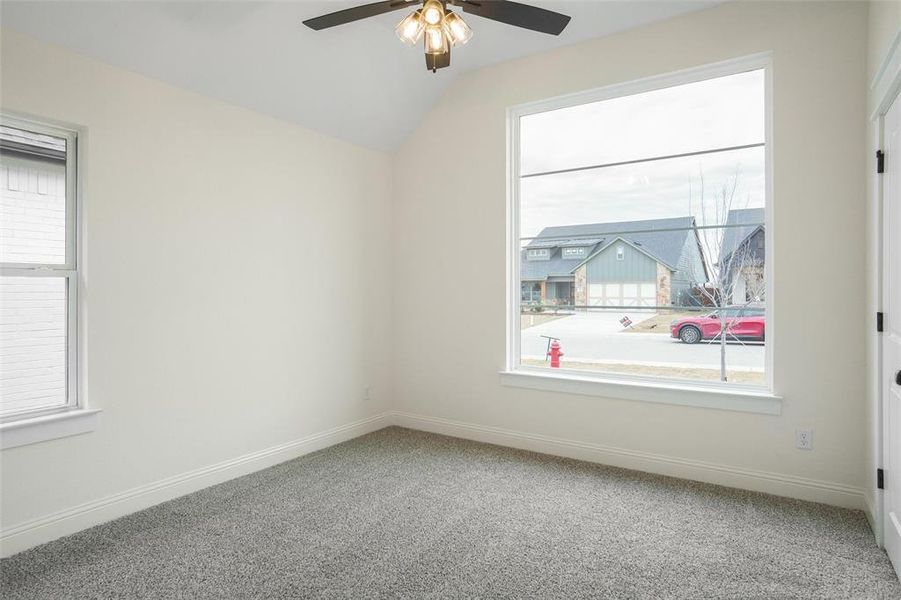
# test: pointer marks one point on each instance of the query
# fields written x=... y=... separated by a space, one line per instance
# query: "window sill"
x=742 y=400
x=47 y=427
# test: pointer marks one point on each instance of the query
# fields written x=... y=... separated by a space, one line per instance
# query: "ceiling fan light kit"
x=457 y=29
x=409 y=31
x=440 y=27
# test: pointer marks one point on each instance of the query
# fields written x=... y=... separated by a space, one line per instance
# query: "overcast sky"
x=728 y=111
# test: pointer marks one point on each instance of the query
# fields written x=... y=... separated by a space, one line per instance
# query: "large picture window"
x=662 y=185
x=38 y=281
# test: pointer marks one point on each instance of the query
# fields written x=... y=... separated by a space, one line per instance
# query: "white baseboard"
x=50 y=527
x=873 y=510
x=777 y=484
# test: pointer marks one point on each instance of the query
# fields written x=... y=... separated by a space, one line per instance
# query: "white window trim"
x=539 y=253
x=76 y=417
x=574 y=252
x=763 y=399
x=660 y=391
x=47 y=427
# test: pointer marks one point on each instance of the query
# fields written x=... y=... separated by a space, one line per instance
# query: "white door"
x=629 y=294
x=622 y=294
x=891 y=338
x=613 y=294
x=648 y=295
x=596 y=294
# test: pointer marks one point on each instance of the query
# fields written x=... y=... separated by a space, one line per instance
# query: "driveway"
x=598 y=337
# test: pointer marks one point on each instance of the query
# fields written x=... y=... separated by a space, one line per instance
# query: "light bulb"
x=457 y=29
x=435 y=40
x=432 y=12
x=410 y=29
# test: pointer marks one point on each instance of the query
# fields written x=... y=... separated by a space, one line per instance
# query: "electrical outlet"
x=804 y=439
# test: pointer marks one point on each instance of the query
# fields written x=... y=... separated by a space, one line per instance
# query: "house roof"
x=539 y=270
x=624 y=239
x=750 y=220
x=662 y=239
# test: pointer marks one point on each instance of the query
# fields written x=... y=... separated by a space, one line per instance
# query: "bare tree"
x=728 y=269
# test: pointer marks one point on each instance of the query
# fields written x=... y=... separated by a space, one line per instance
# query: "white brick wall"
x=32 y=211
x=32 y=309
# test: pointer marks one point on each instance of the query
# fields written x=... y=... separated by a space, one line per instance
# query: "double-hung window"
x=39 y=282
x=664 y=183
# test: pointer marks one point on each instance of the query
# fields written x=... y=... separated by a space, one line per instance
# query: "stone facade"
x=581 y=286
x=664 y=286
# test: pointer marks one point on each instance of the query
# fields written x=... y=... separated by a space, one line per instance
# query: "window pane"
x=32 y=197
x=33 y=343
x=717 y=113
x=654 y=190
x=672 y=281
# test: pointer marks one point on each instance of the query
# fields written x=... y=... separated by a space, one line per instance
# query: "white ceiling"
x=356 y=81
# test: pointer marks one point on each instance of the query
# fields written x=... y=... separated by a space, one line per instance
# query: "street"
x=599 y=337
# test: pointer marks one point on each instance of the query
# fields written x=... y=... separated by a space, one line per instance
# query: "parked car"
x=742 y=322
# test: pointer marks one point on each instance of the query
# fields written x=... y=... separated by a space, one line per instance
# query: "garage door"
x=622 y=294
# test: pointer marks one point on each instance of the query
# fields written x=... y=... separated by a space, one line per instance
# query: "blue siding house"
x=631 y=263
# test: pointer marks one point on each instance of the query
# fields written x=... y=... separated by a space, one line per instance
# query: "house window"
x=539 y=254
x=530 y=292
x=39 y=283
x=676 y=168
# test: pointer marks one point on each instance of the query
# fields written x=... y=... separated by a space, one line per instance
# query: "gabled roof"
x=539 y=270
x=750 y=219
x=654 y=236
x=619 y=238
x=661 y=239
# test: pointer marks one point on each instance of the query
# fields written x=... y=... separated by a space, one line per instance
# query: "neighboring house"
x=742 y=256
x=629 y=263
x=33 y=194
x=33 y=216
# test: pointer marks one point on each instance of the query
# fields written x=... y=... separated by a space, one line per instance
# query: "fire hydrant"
x=555 y=353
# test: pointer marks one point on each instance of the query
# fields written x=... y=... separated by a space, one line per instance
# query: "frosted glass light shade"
x=457 y=29
x=435 y=40
x=409 y=31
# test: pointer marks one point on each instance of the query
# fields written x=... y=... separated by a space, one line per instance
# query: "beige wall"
x=884 y=23
x=234 y=267
x=447 y=364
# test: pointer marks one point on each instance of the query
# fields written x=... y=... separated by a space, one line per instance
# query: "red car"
x=742 y=322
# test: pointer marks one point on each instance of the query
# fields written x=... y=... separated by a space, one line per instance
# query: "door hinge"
x=880 y=479
x=880 y=161
x=879 y=318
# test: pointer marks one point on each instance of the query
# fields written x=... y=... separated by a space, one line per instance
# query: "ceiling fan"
x=440 y=27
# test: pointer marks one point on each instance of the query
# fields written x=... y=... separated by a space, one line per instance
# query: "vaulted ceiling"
x=356 y=81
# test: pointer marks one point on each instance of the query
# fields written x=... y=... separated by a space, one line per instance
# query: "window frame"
x=575 y=251
x=728 y=396
x=538 y=253
x=53 y=420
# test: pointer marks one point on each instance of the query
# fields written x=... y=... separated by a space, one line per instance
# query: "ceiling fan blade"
x=358 y=12
x=433 y=62
x=514 y=13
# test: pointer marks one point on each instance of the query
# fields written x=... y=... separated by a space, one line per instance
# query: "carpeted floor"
x=405 y=514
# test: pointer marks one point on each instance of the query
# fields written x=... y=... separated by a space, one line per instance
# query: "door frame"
x=884 y=90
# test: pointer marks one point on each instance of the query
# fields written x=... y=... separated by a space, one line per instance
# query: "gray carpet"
x=404 y=514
